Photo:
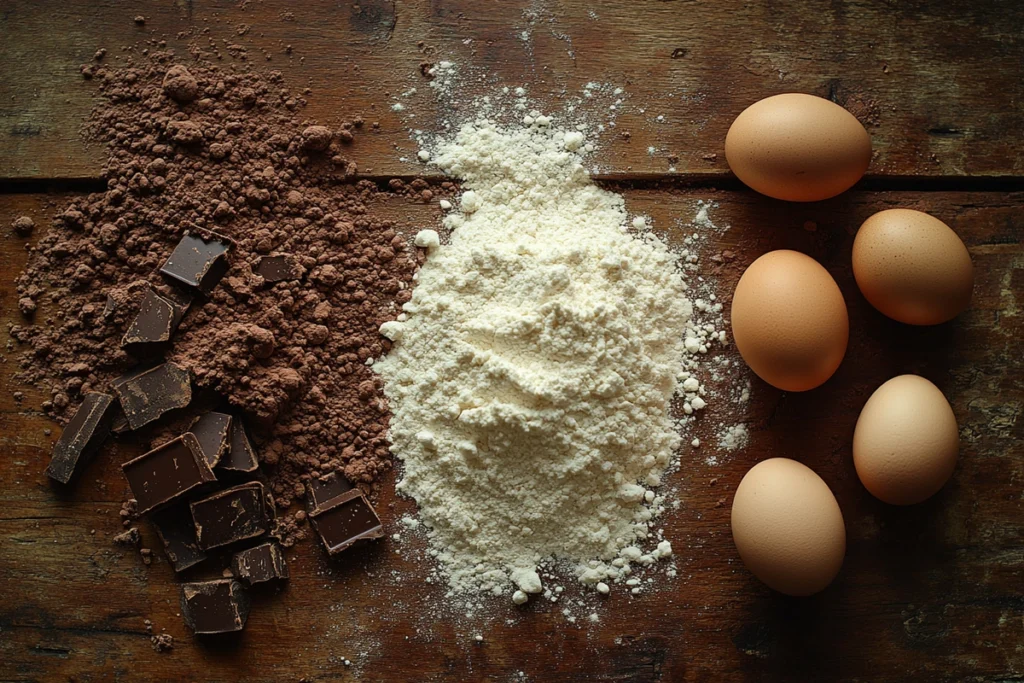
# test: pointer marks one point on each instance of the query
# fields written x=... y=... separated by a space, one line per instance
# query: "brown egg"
x=787 y=527
x=906 y=441
x=789 y=320
x=798 y=147
x=912 y=267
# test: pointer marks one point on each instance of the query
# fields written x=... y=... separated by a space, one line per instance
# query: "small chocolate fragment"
x=325 y=489
x=213 y=432
x=210 y=607
x=241 y=456
x=199 y=261
x=177 y=532
x=148 y=395
x=279 y=267
x=156 y=321
x=82 y=437
x=346 y=520
x=119 y=423
x=167 y=472
x=263 y=563
x=233 y=514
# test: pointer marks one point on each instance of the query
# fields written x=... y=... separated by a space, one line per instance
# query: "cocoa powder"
x=199 y=146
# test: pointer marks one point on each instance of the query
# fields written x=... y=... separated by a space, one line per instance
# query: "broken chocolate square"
x=199 y=261
x=346 y=520
x=263 y=563
x=82 y=437
x=147 y=395
x=155 y=323
x=211 y=607
x=231 y=515
x=167 y=472
x=213 y=432
x=240 y=456
x=178 y=534
x=279 y=267
x=325 y=489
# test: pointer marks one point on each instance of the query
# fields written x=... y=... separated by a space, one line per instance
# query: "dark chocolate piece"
x=325 y=489
x=345 y=521
x=155 y=323
x=177 y=532
x=233 y=514
x=263 y=563
x=241 y=456
x=279 y=267
x=210 y=607
x=148 y=395
x=167 y=472
x=82 y=437
x=119 y=423
x=213 y=432
x=199 y=261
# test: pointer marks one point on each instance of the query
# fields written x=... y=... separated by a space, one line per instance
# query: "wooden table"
x=931 y=592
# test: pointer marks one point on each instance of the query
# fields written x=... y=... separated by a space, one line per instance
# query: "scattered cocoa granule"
x=23 y=226
x=130 y=537
x=162 y=642
x=140 y=20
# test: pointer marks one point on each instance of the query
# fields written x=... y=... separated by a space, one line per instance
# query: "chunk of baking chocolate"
x=279 y=267
x=167 y=472
x=210 y=607
x=233 y=514
x=82 y=437
x=325 y=489
x=213 y=432
x=155 y=322
x=263 y=563
x=346 y=520
x=199 y=261
x=147 y=395
x=241 y=456
x=178 y=534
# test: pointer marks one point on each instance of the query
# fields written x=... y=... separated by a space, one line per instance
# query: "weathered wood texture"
x=930 y=592
x=940 y=83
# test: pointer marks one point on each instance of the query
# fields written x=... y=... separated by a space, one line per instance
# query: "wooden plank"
x=930 y=592
x=940 y=83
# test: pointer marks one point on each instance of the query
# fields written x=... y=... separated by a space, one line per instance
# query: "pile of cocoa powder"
x=201 y=146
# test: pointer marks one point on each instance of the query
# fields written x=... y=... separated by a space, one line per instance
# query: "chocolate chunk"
x=156 y=321
x=279 y=267
x=213 y=432
x=241 y=456
x=199 y=261
x=167 y=472
x=210 y=607
x=178 y=534
x=325 y=489
x=147 y=395
x=231 y=515
x=82 y=437
x=346 y=520
x=263 y=563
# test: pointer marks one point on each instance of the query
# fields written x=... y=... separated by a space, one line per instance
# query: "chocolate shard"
x=213 y=432
x=119 y=423
x=345 y=521
x=279 y=267
x=211 y=607
x=82 y=437
x=234 y=514
x=325 y=489
x=241 y=456
x=178 y=534
x=147 y=395
x=155 y=322
x=263 y=563
x=199 y=261
x=167 y=472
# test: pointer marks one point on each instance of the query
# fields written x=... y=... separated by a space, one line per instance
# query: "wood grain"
x=940 y=83
x=930 y=592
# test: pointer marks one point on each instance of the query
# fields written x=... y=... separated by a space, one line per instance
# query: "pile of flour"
x=533 y=370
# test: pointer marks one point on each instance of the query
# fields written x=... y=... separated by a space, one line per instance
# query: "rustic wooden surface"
x=930 y=592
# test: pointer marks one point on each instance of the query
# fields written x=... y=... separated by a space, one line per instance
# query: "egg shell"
x=789 y=320
x=912 y=267
x=788 y=527
x=906 y=441
x=798 y=147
